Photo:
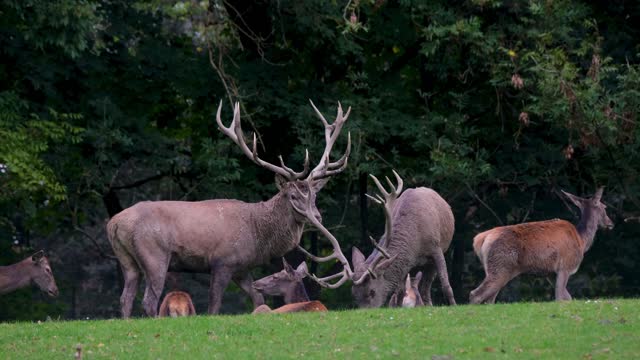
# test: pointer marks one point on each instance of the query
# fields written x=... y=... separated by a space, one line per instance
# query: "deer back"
x=534 y=247
x=191 y=233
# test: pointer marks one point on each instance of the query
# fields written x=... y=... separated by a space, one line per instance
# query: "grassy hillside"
x=574 y=330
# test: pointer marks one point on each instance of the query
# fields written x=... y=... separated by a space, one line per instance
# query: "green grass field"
x=571 y=330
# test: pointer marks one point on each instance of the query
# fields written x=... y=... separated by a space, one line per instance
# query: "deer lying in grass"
x=307 y=306
x=288 y=284
x=419 y=228
x=553 y=246
x=410 y=297
x=34 y=269
x=175 y=304
x=225 y=238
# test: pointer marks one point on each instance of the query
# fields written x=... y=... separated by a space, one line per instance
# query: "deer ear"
x=407 y=283
x=316 y=185
x=384 y=265
x=416 y=280
x=357 y=258
x=281 y=181
x=287 y=268
x=37 y=256
x=576 y=200
x=302 y=270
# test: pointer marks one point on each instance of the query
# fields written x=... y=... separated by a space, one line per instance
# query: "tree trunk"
x=112 y=203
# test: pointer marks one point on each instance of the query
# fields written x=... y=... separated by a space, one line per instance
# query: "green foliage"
x=26 y=138
x=71 y=26
x=494 y=104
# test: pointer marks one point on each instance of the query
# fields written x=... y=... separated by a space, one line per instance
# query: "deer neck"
x=14 y=277
x=297 y=293
x=277 y=229
x=587 y=228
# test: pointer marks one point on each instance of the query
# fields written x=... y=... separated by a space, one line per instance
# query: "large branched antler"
x=234 y=131
x=388 y=200
x=325 y=167
x=346 y=273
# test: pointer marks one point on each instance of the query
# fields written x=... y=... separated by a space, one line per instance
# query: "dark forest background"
x=497 y=105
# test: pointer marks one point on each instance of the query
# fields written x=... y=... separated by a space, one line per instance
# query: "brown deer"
x=34 y=269
x=175 y=304
x=553 y=246
x=225 y=238
x=410 y=297
x=307 y=306
x=419 y=228
x=286 y=283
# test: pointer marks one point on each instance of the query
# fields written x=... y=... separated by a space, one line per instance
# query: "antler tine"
x=344 y=276
x=316 y=258
x=388 y=203
x=369 y=272
x=382 y=250
x=337 y=252
x=297 y=175
x=397 y=189
x=234 y=132
x=376 y=200
x=379 y=185
x=325 y=167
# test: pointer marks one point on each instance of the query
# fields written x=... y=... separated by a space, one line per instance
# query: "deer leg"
x=492 y=299
x=153 y=291
x=155 y=264
x=430 y=273
x=131 y=273
x=220 y=277
x=489 y=289
x=441 y=265
x=131 y=281
x=561 y=286
x=245 y=282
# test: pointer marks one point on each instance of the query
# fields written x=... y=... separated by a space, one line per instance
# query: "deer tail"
x=478 y=241
x=112 y=228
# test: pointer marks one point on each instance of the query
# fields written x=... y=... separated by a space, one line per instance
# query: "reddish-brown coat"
x=541 y=246
x=177 y=303
x=552 y=246
x=307 y=306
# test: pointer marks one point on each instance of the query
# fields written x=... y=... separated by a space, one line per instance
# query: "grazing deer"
x=410 y=297
x=225 y=238
x=552 y=246
x=175 y=304
x=419 y=228
x=307 y=306
x=286 y=283
x=34 y=269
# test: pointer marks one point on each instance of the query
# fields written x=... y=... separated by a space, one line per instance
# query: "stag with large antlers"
x=225 y=238
x=540 y=247
x=419 y=228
